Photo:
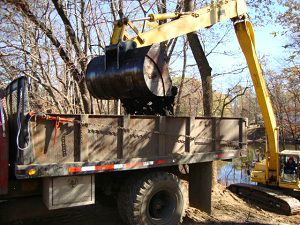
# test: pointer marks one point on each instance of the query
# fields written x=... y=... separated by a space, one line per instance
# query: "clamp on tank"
x=113 y=51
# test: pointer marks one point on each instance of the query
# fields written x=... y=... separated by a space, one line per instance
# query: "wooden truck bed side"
x=98 y=143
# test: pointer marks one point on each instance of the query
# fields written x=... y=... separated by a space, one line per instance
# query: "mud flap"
x=200 y=185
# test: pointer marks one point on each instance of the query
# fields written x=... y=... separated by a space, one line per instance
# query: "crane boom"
x=186 y=23
x=245 y=36
x=206 y=17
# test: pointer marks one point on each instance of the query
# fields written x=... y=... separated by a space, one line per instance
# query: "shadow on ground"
x=31 y=211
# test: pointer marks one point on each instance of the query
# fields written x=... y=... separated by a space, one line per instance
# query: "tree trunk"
x=77 y=73
x=205 y=73
x=178 y=101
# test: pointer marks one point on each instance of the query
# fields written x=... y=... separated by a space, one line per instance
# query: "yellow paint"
x=117 y=33
x=258 y=176
x=294 y=185
x=201 y=18
x=245 y=35
x=194 y=21
x=163 y=16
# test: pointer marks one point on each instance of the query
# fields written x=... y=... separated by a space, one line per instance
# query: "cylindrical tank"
x=136 y=73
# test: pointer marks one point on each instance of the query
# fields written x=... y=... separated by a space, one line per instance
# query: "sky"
x=268 y=46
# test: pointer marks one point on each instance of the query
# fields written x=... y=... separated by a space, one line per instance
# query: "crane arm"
x=245 y=36
x=184 y=24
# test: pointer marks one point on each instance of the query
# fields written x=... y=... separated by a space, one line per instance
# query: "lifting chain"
x=147 y=134
x=181 y=138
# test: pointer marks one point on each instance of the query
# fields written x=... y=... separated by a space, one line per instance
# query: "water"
x=238 y=170
x=229 y=173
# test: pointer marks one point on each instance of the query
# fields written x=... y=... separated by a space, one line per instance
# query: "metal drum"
x=135 y=73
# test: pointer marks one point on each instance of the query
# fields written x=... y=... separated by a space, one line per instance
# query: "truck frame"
x=64 y=149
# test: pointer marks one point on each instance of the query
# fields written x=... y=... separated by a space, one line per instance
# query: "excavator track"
x=270 y=199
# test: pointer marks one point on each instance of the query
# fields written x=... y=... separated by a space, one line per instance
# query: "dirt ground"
x=227 y=209
x=230 y=209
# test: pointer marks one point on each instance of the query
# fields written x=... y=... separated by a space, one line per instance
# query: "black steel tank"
x=127 y=74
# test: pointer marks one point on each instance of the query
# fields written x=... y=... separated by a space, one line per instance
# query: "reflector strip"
x=74 y=169
x=119 y=166
x=105 y=167
x=110 y=167
x=134 y=165
x=161 y=161
x=149 y=163
x=88 y=168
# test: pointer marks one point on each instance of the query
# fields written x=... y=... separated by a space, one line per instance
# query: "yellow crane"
x=278 y=188
x=270 y=172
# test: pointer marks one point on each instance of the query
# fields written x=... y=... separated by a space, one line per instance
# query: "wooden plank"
x=214 y=134
x=103 y=137
x=139 y=140
x=175 y=135
x=188 y=128
x=120 y=137
x=202 y=133
x=162 y=136
x=84 y=140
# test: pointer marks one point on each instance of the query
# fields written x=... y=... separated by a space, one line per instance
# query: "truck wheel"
x=158 y=198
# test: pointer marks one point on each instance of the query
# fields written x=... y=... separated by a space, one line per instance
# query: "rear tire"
x=158 y=198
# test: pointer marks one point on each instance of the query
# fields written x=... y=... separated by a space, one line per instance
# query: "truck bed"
x=46 y=145
x=99 y=143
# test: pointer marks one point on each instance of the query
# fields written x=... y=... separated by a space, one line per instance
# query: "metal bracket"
x=139 y=37
x=113 y=51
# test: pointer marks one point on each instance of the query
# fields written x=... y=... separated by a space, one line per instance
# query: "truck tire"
x=158 y=198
